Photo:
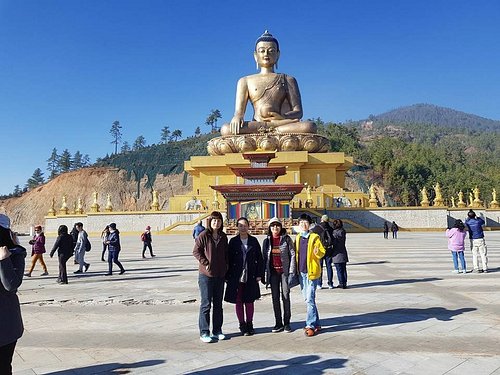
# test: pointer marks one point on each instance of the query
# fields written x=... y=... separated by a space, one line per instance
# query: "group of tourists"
x=393 y=227
x=231 y=270
x=456 y=244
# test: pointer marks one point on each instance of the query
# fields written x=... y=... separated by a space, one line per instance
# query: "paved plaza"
x=404 y=312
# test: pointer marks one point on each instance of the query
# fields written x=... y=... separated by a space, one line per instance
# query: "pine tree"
x=36 y=179
x=65 y=161
x=165 y=134
x=77 y=162
x=197 y=131
x=53 y=164
x=125 y=147
x=17 y=191
x=139 y=143
x=176 y=134
x=116 y=133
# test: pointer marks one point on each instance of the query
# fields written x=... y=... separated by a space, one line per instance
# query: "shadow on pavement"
x=394 y=282
x=369 y=263
x=390 y=317
x=296 y=365
x=109 y=368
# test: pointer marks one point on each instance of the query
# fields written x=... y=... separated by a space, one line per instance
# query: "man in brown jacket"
x=210 y=249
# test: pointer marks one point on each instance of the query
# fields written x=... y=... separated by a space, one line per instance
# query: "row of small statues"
x=95 y=207
x=473 y=202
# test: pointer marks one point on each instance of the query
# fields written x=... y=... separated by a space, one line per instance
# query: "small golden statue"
x=372 y=202
x=477 y=202
x=494 y=203
x=425 y=198
x=438 y=200
x=155 y=206
x=453 y=202
x=461 y=203
x=309 y=197
x=471 y=199
x=108 y=207
x=95 y=206
x=64 y=210
x=52 y=211
x=79 y=207
x=216 y=203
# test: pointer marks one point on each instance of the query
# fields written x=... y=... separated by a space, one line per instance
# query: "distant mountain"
x=439 y=116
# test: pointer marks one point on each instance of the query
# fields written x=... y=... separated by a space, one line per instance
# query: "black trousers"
x=147 y=245
x=280 y=291
x=6 y=354
x=63 y=274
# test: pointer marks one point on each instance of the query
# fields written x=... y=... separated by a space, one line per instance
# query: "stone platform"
x=404 y=313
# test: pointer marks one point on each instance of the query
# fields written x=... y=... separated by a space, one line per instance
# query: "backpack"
x=88 y=245
x=143 y=237
x=327 y=241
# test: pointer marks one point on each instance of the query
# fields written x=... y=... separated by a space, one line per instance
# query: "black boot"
x=250 y=330
x=243 y=328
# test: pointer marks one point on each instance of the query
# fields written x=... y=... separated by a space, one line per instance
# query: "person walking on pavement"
x=12 y=257
x=81 y=248
x=339 y=255
x=198 y=229
x=104 y=237
x=37 y=251
x=147 y=240
x=474 y=225
x=64 y=247
x=279 y=265
x=394 y=230
x=386 y=230
x=211 y=252
x=114 y=248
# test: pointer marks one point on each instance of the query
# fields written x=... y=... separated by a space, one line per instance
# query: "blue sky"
x=69 y=68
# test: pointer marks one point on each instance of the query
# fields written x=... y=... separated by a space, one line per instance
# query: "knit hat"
x=148 y=227
x=325 y=218
x=4 y=221
x=112 y=226
x=274 y=220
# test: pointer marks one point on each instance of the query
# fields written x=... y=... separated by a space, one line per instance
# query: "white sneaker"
x=220 y=336
x=454 y=271
x=464 y=271
x=206 y=339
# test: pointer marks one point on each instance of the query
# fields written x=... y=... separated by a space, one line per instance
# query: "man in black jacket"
x=324 y=230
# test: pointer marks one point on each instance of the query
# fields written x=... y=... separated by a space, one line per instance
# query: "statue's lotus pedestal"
x=268 y=142
x=324 y=172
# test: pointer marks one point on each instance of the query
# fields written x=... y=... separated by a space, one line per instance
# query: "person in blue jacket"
x=474 y=226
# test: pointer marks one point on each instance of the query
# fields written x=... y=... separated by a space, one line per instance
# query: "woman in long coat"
x=340 y=257
x=64 y=247
x=246 y=269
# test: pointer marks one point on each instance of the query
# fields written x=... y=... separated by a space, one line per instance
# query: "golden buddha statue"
x=275 y=97
x=276 y=123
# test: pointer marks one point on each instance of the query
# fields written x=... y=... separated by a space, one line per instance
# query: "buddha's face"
x=266 y=54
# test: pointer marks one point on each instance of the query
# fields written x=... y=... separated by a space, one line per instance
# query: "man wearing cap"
x=147 y=240
x=11 y=276
x=309 y=250
x=80 y=248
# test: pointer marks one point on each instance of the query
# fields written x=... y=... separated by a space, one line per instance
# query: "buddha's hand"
x=235 y=125
x=276 y=119
x=4 y=252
